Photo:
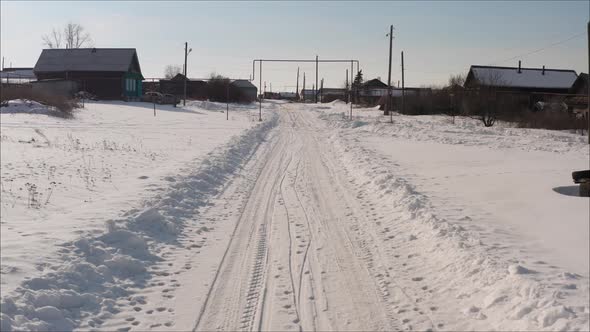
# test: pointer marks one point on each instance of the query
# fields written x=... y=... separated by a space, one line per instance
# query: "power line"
x=540 y=49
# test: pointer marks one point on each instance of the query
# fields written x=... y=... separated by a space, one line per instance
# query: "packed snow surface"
x=305 y=221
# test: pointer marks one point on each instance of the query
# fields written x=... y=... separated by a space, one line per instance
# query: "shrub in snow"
x=21 y=96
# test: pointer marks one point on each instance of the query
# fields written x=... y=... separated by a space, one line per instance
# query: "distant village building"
x=108 y=73
x=247 y=91
x=373 y=88
x=330 y=94
x=523 y=80
x=271 y=95
x=513 y=89
x=16 y=75
x=307 y=95
x=287 y=95
x=370 y=91
x=195 y=89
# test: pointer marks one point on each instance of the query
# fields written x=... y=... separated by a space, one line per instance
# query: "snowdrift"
x=98 y=269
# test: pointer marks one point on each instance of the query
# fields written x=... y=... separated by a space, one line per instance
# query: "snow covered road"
x=296 y=260
x=304 y=222
x=329 y=240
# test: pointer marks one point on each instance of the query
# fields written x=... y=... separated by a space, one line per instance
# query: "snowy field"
x=306 y=221
x=518 y=180
x=63 y=179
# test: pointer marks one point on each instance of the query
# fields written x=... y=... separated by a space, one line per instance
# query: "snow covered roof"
x=87 y=59
x=527 y=78
x=243 y=84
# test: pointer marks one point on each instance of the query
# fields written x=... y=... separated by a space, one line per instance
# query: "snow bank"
x=99 y=269
x=489 y=289
x=17 y=106
x=465 y=131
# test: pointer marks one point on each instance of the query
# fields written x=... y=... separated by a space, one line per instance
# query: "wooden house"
x=513 y=89
x=108 y=73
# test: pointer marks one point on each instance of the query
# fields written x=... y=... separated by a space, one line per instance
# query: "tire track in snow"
x=290 y=258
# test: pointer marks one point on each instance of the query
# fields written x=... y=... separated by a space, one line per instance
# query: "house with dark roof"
x=247 y=92
x=370 y=91
x=108 y=73
x=514 y=89
x=373 y=88
x=526 y=80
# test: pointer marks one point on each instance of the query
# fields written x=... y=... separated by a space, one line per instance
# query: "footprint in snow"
x=143 y=177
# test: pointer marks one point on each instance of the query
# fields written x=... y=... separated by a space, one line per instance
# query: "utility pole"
x=403 y=87
x=262 y=95
x=297 y=88
x=322 y=91
x=303 y=90
x=2 y=63
x=348 y=101
x=316 y=78
x=588 y=114
x=351 y=90
x=154 y=99
x=388 y=104
x=227 y=100
x=185 y=78
x=270 y=87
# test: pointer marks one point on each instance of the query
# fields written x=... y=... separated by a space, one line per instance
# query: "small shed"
x=580 y=86
x=247 y=91
x=108 y=73
x=577 y=102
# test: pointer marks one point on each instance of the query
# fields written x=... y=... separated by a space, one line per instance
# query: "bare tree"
x=171 y=71
x=485 y=99
x=54 y=40
x=73 y=35
x=457 y=80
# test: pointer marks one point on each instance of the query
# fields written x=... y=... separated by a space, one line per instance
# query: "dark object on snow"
x=85 y=95
x=583 y=178
x=160 y=98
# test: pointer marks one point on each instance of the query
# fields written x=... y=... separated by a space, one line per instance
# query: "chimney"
x=543 y=72
x=519 y=71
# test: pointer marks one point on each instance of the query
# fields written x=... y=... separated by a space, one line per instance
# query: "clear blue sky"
x=438 y=38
